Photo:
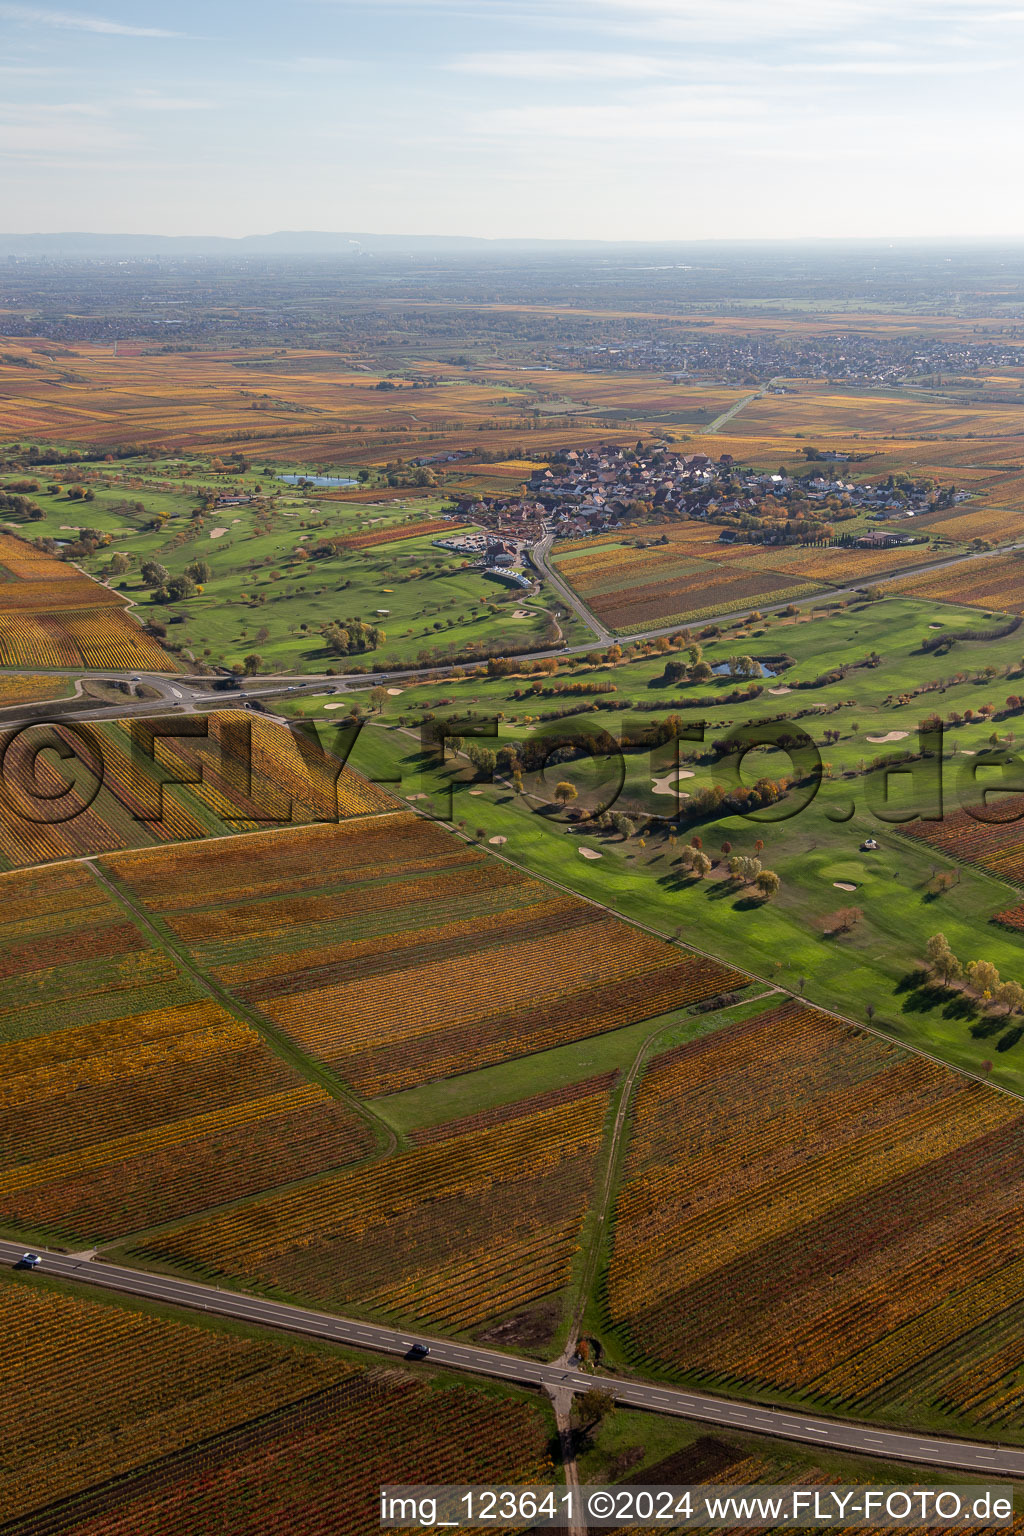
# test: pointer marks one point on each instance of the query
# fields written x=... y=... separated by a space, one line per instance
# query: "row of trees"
x=981 y=976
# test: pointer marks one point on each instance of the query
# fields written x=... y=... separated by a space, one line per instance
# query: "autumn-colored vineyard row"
x=320 y=1466
x=806 y=1209
x=482 y=1218
x=98 y=638
x=128 y=1097
x=185 y=878
x=995 y=582
x=997 y=846
x=28 y=688
x=692 y=575
x=395 y=533
x=245 y=775
x=224 y=1430
x=52 y=615
x=411 y=977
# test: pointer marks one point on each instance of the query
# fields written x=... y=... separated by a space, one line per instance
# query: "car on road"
x=418 y=1352
x=29 y=1261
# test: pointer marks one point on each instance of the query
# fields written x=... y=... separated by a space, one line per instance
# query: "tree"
x=176 y=590
x=454 y=744
x=378 y=697
x=843 y=921
x=700 y=864
x=622 y=825
x=199 y=570
x=593 y=1406
x=252 y=664
x=566 y=792
x=768 y=883
x=1011 y=995
x=153 y=574
x=119 y=564
x=941 y=958
x=984 y=977
x=701 y=673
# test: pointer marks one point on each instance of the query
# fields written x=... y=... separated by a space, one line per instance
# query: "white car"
x=29 y=1261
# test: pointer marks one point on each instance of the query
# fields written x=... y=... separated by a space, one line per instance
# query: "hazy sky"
x=588 y=118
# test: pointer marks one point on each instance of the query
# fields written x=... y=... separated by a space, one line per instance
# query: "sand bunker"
x=217 y=533
x=497 y=842
x=589 y=853
x=776 y=692
x=522 y=613
x=335 y=706
x=843 y=885
x=394 y=692
x=666 y=786
x=476 y=791
x=889 y=736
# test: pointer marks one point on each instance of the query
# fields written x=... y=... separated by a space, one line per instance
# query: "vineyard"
x=394 y=963
x=139 y=1423
x=128 y=1096
x=808 y=1211
x=997 y=846
x=994 y=582
x=51 y=615
x=241 y=774
x=691 y=575
x=396 y=533
x=27 y=688
x=483 y=1217
x=319 y=1467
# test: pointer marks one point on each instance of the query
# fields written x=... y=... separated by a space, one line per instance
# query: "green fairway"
x=870 y=974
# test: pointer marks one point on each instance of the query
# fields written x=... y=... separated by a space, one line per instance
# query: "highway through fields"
x=787 y=1424
x=189 y=693
x=179 y=691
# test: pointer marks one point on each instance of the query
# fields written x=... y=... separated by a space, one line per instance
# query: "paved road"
x=539 y=555
x=810 y=1429
x=181 y=692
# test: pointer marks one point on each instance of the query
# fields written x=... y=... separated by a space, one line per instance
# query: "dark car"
x=418 y=1352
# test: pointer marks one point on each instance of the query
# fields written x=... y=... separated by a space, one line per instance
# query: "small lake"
x=315 y=480
x=723 y=670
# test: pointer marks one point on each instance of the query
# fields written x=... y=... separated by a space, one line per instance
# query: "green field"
x=267 y=597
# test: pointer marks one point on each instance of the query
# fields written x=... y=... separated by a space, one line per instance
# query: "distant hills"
x=283 y=243
x=74 y=244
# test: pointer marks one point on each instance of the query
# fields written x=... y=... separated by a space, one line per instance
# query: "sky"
x=597 y=119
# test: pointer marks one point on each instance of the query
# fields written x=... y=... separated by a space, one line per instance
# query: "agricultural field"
x=278 y=570
x=131 y=1095
x=321 y=408
x=382 y=964
x=807 y=1213
x=479 y=1220
x=145 y=1423
x=686 y=575
x=105 y=787
x=25 y=688
x=51 y=615
x=378 y=1038
x=989 y=836
x=995 y=582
